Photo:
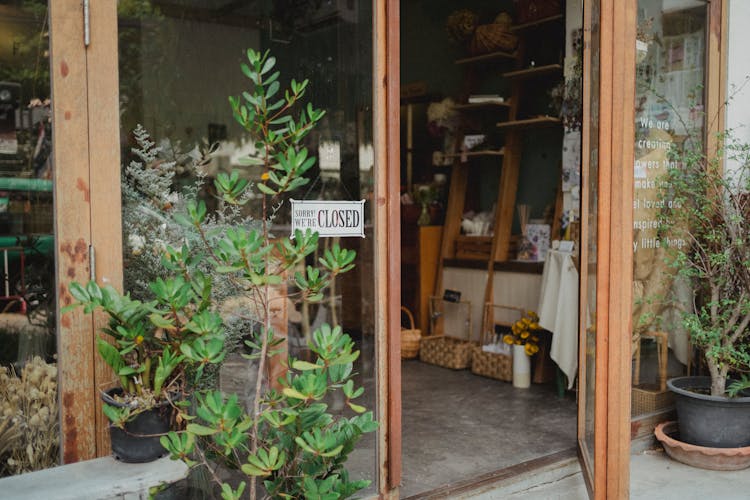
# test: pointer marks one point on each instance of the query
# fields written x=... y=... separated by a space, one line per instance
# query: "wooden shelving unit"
x=483 y=105
x=519 y=28
x=487 y=251
x=486 y=152
x=487 y=57
x=538 y=71
x=537 y=122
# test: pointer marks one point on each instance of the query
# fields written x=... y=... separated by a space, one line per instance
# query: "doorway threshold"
x=543 y=469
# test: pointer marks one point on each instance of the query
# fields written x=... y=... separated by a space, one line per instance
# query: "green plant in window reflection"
x=290 y=439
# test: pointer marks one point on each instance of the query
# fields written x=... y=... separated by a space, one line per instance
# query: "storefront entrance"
x=464 y=168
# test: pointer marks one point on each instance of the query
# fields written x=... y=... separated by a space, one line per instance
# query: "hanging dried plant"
x=460 y=25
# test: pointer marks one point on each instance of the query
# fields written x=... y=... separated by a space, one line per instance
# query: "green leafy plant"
x=163 y=345
x=289 y=439
x=157 y=349
x=301 y=448
x=711 y=248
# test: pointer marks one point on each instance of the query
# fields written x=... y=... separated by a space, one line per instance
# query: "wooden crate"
x=474 y=247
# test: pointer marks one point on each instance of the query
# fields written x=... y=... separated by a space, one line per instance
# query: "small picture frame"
x=451 y=295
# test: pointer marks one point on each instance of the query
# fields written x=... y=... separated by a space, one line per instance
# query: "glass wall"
x=179 y=62
x=670 y=75
x=29 y=426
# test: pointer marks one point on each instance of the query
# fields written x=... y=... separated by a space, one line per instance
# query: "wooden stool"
x=662 y=351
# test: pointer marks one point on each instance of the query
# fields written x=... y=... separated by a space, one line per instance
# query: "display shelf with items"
x=523 y=81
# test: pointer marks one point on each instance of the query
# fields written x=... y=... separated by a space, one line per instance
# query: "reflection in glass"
x=670 y=73
x=29 y=430
x=589 y=265
x=178 y=64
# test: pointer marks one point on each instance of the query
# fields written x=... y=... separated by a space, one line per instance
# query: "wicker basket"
x=410 y=338
x=449 y=351
x=493 y=364
x=492 y=38
x=650 y=399
x=445 y=351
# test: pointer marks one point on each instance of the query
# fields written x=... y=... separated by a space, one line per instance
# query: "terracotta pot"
x=700 y=456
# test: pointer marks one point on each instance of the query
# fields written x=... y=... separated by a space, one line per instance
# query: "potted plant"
x=157 y=350
x=708 y=239
x=289 y=439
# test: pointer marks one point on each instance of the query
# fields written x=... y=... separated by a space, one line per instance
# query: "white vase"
x=521 y=368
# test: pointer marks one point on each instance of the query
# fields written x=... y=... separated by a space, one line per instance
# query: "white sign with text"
x=330 y=217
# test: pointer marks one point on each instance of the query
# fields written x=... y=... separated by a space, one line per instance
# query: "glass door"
x=179 y=64
x=588 y=256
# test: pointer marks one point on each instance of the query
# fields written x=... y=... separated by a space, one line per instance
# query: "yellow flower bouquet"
x=522 y=333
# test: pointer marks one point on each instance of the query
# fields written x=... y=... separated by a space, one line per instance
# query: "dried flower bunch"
x=460 y=25
x=28 y=418
x=522 y=333
x=152 y=197
x=442 y=116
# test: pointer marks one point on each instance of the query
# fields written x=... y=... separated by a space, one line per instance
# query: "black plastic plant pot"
x=138 y=442
x=710 y=421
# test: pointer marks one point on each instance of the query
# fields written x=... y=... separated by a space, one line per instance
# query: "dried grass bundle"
x=29 y=435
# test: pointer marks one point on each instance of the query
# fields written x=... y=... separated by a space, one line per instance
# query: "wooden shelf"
x=542 y=121
x=534 y=24
x=486 y=57
x=484 y=152
x=512 y=266
x=549 y=69
x=482 y=105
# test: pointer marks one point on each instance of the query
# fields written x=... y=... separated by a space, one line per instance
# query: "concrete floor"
x=457 y=425
x=653 y=476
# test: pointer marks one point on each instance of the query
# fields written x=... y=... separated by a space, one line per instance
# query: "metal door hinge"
x=86 y=24
x=92 y=263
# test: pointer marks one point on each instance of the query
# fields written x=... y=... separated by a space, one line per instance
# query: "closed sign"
x=329 y=218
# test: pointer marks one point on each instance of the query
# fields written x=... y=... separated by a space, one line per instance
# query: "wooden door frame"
x=386 y=97
x=614 y=259
x=86 y=159
x=618 y=21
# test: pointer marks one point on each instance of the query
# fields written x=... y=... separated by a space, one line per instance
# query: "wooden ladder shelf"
x=499 y=248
